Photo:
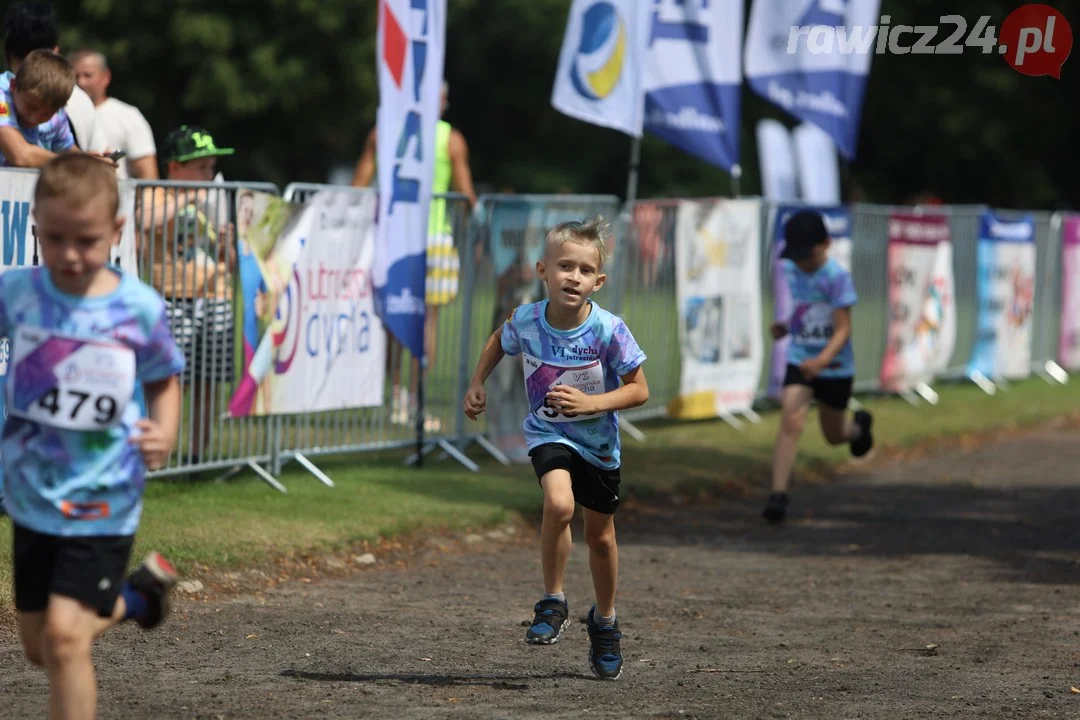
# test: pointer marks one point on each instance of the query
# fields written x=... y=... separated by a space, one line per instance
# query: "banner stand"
x=1052 y=373
x=927 y=393
x=984 y=383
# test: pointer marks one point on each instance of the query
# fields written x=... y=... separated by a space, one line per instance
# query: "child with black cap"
x=820 y=360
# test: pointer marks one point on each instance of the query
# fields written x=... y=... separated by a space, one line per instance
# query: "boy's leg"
x=552 y=464
x=70 y=629
x=836 y=426
x=605 y=648
x=31 y=627
x=555 y=537
x=795 y=404
x=603 y=559
x=600 y=498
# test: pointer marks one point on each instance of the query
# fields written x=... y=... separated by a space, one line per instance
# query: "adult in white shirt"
x=30 y=26
x=125 y=127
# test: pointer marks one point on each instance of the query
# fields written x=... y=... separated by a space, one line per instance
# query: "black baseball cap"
x=191 y=142
x=803 y=231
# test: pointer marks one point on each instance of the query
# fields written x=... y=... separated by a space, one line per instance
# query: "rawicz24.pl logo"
x=1035 y=39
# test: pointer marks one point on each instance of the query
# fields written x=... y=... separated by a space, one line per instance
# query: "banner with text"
x=718 y=287
x=1069 y=343
x=311 y=340
x=921 y=332
x=1006 y=292
x=838 y=224
x=410 y=49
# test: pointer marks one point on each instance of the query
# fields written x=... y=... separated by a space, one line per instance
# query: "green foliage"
x=292 y=85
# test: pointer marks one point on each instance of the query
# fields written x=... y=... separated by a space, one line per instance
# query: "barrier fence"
x=481 y=267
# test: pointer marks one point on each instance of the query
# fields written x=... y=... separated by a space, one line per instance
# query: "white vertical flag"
x=600 y=74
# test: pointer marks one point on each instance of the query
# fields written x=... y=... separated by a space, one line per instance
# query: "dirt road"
x=943 y=587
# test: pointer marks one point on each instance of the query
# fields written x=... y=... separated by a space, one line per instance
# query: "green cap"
x=190 y=142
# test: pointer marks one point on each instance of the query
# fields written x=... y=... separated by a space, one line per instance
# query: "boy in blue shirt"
x=574 y=355
x=33 y=124
x=820 y=360
x=89 y=344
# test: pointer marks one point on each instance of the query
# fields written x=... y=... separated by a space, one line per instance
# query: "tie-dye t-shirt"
x=54 y=134
x=814 y=296
x=591 y=357
x=78 y=482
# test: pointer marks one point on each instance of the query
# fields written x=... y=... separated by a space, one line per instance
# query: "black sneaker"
x=866 y=440
x=776 y=508
x=154 y=577
x=605 y=653
x=551 y=619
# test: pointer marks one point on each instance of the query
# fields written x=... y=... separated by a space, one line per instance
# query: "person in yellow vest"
x=451 y=173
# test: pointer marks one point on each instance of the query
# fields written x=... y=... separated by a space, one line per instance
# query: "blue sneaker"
x=605 y=653
x=551 y=619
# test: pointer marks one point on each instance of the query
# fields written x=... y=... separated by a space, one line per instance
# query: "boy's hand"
x=570 y=401
x=154 y=443
x=778 y=330
x=475 y=401
x=812 y=368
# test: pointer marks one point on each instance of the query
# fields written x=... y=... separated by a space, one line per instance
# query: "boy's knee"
x=793 y=422
x=601 y=542
x=560 y=508
x=63 y=641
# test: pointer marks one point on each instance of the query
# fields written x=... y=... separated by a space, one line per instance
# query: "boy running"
x=89 y=346
x=574 y=354
x=820 y=361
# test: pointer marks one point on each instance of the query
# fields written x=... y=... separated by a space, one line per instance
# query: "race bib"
x=69 y=383
x=541 y=377
x=816 y=327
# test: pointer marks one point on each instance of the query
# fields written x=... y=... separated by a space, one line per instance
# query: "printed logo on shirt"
x=4 y=111
x=84 y=511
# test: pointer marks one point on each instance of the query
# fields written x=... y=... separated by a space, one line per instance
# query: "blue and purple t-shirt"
x=78 y=474
x=814 y=297
x=591 y=357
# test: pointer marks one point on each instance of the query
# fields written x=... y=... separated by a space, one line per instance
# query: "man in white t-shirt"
x=30 y=26
x=125 y=127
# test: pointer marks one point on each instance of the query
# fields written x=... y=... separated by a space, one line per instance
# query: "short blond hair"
x=77 y=179
x=593 y=231
x=47 y=77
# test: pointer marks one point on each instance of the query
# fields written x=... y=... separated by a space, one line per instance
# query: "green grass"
x=243 y=522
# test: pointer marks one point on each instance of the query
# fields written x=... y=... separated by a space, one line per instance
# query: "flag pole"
x=736 y=176
x=632 y=178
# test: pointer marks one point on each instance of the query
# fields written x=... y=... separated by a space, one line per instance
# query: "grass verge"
x=243 y=523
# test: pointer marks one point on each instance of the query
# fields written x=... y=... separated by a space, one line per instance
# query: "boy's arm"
x=163 y=404
x=841 y=334
x=633 y=393
x=160 y=431
x=20 y=153
x=489 y=357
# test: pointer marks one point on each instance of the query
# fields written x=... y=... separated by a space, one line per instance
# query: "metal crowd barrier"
x=393 y=425
x=481 y=266
x=184 y=241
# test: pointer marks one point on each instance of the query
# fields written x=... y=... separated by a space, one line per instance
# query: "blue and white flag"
x=812 y=58
x=599 y=78
x=411 y=48
x=1006 y=288
x=693 y=76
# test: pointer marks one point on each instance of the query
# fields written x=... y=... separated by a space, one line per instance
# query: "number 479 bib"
x=69 y=383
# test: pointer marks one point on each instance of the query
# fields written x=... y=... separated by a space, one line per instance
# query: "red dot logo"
x=1036 y=40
